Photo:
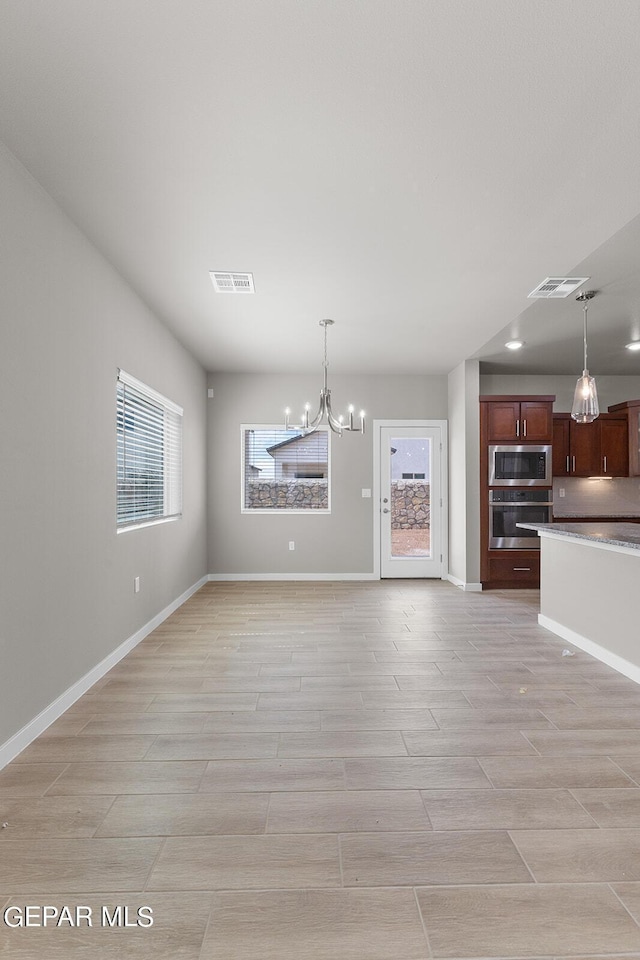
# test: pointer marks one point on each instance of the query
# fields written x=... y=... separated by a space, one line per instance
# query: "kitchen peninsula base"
x=590 y=589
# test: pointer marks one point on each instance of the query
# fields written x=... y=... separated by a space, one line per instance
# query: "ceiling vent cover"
x=226 y=282
x=556 y=287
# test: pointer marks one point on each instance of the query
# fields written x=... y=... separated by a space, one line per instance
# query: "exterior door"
x=411 y=505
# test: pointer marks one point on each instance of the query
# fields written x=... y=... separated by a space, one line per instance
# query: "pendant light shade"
x=585 y=407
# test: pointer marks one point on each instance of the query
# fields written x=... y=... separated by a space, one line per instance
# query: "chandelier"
x=337 y=424
x=585 y=401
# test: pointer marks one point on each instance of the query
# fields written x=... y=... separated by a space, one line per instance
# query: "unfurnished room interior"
x=320 y=480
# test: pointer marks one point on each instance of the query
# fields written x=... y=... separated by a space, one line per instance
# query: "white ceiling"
x=410 y=169
x=553 y=329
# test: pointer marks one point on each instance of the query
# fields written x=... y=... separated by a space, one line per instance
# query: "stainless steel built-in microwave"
x=522 y=465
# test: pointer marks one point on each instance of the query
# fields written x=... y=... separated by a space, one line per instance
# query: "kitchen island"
x=590 y=589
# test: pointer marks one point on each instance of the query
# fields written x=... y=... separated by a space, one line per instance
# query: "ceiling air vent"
x=556 y=287
x=225 y=282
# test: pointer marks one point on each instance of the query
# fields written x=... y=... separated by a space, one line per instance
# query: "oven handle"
x=520 y=503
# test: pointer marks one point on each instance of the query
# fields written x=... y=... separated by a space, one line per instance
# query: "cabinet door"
x=561 y=460
x=511 y=569
x=503 y=421
x=614 y=448
x=536 y=421
x=584 y=449
x=634 y=441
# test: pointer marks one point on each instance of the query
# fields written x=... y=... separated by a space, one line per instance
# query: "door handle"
x=517 y=428
x=605 y=464
x=524 y=427
x=568 y=463
x=574 y=464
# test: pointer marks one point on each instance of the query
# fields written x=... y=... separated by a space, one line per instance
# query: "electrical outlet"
x=210 y=393
x=136 y=584
x=292 y=544
x=561 y=492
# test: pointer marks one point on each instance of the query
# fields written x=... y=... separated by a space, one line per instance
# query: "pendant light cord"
x=586 y=307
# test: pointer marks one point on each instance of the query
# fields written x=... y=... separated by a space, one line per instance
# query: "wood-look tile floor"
x=392 y=770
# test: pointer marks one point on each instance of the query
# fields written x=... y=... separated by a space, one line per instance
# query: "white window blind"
x=284 y=470
x=148 y=454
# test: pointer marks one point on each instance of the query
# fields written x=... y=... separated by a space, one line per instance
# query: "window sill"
x=125 y=528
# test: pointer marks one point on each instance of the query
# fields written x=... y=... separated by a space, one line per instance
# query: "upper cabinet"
x=631 y=409
x=518 y=419
x=598 y=449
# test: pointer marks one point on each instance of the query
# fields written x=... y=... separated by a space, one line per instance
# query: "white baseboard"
x=468 y=587
x=228 y=577
x=17 y=743
x=623 y=666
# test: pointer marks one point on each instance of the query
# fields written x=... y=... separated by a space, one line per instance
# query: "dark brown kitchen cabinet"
x=598 y=449
x=631 y=408
x=560 y=452
x=510 y=420
x=614 y=448
x=518 y=419
x=513 y=568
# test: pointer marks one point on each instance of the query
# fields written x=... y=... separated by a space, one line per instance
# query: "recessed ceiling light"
x=556 y=287
x=514 y=344
x=634 y=345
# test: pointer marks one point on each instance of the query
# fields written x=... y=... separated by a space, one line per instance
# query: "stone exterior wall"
x=410 y=504
x=287 y=494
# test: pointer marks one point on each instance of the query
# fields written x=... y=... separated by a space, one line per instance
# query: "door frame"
x=444 y=488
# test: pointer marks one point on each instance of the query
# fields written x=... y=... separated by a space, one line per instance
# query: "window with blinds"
x=148 y=455
x=284 y=470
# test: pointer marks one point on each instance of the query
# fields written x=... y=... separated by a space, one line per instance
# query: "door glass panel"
x=410 y=460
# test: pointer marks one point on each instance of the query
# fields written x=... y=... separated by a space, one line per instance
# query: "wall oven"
x=510 y=507
x=523 y=465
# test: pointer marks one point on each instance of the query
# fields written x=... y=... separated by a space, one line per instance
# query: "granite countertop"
x=619 y=534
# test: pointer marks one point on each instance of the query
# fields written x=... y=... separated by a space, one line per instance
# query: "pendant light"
x=585 y=400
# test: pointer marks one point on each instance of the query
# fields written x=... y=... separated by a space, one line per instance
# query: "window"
x=413 y=476
x=284 y=470
x=148 y=455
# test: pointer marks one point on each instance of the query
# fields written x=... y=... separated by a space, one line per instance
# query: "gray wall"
x=66 y=579
x=610 y=389
x=340 y=543
x=464 y=472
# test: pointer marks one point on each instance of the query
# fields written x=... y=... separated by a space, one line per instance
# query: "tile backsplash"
x=596 y=498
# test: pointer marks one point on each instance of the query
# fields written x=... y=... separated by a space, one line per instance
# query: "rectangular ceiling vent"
x=556 y=287
x=225 y=282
